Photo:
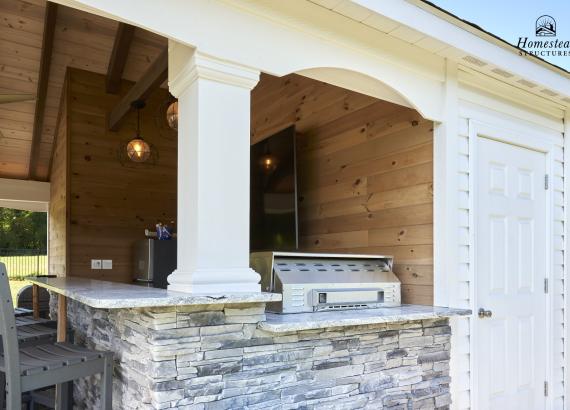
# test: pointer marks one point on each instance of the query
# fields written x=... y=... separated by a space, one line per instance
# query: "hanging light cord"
x=138 y=122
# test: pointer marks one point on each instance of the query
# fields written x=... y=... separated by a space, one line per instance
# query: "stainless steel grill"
x=313 y=282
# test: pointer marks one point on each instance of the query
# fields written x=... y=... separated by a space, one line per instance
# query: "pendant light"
x=267 y=161
x=138 y=149
x=172 y=115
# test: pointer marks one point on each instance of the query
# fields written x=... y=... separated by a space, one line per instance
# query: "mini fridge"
x=153 y=261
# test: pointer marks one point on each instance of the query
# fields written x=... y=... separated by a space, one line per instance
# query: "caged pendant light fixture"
x=172 y=115
x=138 y=150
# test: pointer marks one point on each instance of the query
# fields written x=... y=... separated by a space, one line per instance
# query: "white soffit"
x=439 y=34
x=25 y=205
x=26 y=191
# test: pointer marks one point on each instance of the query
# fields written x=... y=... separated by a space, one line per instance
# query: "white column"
x=213 y=173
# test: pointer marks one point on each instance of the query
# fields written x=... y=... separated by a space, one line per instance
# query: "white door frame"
x=479 y=130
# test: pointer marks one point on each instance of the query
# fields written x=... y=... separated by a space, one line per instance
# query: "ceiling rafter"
x=119 y=56
x=156 y=74
x=50 y=19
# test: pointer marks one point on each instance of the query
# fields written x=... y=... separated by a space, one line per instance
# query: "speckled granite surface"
x=110 y=295
x=280 y=323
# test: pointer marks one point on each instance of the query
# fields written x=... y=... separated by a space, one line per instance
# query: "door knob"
x=484 y=313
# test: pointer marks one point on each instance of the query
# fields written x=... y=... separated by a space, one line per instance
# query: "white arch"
x=358 y=82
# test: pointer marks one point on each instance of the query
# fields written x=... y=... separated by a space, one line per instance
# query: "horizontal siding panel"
x=462 y=304
x=558 y=183
x=463 y=256
x=463 y=217
x=463 y=145
x=463 y=202
x=463 y=163
x=558 y=227
x=463 y=127
x=558 y=257
x=463 y=272
x=462 y=401
x=558 y=153
x=463 y=365
x=463 y=237
x=463 y=181
x=463 y=290
x=558 y=243
x=558 y=213
x=558 y=273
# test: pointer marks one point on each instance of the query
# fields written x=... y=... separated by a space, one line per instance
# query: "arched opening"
x=358 y=82
x=364 y=169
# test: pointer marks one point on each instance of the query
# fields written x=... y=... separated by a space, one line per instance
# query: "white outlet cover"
x=107 y=264
x=95 y=263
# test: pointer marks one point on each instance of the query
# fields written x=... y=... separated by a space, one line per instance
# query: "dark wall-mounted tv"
x=273 y=201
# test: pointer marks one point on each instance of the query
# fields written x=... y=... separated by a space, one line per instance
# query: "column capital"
x=186 y=65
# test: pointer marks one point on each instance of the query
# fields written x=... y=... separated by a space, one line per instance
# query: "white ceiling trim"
x=445 y=30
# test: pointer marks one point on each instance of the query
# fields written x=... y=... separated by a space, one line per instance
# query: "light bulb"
x=138 y=150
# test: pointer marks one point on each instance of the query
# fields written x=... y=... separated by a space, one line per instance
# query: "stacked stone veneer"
x=215 y=357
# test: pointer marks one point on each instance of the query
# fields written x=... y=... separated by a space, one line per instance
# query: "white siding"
x=479 y=106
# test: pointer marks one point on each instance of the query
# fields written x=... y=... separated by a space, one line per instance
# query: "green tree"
x=23 y=229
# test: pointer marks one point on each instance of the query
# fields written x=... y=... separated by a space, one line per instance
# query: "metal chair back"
x=25 y=300
x=9 y=335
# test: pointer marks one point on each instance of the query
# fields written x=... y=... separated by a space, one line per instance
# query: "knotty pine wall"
x=58 y=204
x=110 y=205
x=365 y=173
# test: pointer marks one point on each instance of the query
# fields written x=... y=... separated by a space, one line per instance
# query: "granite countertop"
x=111 y=295
x=282 y=323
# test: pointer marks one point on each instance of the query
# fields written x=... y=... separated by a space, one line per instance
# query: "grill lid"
x=298 y=268
x=311 y=268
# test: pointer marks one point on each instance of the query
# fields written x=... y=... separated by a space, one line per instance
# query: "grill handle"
x=322 y=297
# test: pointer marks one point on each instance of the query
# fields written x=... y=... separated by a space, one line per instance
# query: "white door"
x=511 y=267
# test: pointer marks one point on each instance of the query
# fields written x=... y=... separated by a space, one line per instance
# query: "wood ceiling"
x=80 y=40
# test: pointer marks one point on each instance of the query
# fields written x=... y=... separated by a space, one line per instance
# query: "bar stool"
x=32 y=332
x=43 y=365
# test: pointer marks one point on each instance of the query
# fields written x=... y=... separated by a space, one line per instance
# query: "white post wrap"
x=213 y=173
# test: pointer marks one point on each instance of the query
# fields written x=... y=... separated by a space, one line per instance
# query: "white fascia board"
x=23 y=190
x=415 y=17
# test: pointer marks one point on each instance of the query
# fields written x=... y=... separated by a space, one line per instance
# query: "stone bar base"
x=215 y=357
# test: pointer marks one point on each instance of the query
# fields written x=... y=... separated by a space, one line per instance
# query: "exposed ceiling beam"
x=50 y=18
x=63 y=101
x=156 y=74
x=119 y=57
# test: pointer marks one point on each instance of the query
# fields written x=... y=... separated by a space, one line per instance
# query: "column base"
x=215 y=281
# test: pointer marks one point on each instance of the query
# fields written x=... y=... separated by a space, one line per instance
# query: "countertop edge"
x=175 y=299
x=319 y=323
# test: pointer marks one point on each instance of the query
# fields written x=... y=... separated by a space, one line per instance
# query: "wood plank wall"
x=59 y=199
x=365 y=174
x=110 y=205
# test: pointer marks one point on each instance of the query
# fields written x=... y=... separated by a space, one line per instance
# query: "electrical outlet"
x=95 y=263
x=107 y=264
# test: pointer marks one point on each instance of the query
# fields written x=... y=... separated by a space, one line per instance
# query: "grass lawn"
x=19 y=267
